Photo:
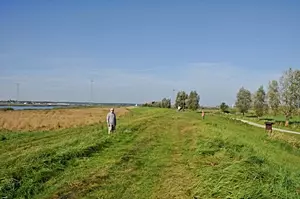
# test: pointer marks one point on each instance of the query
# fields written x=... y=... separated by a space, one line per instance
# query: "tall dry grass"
x=53 y=119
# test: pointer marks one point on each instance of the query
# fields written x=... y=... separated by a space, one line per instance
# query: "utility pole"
x=92 y=81
x=18 y=91
x=174 y=97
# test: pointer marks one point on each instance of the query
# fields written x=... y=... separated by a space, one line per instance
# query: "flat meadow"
x=29 y=120
x=155 y=153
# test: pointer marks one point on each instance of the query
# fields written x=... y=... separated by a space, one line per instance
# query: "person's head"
x=112 y=110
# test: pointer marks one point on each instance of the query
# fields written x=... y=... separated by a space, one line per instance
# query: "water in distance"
x=28 y=107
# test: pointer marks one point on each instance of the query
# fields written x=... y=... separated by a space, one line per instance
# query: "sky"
x=139 y=51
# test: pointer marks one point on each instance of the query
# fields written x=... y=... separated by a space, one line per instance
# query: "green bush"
x=6 y=109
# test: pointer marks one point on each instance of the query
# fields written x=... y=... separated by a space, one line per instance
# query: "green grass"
x=279 y=121
x=156 y=153
x=6 y=109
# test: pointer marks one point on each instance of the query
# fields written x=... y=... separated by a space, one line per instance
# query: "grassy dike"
x=157 y=153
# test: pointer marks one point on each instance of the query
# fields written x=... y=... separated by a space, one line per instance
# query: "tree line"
x=164 y=103
x=281 y=96
x=183 y=100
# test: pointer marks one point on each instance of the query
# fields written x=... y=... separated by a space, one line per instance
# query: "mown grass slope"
x=156 y=153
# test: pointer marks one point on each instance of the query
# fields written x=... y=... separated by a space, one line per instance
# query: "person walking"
x=111 y=120
x=203 y=114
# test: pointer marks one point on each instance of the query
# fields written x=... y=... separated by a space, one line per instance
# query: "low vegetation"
x=165 y=103
x=6 y=109
x=156 y=153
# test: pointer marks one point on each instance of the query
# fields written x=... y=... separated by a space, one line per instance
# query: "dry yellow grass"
x=53 y=119
x=293 y=141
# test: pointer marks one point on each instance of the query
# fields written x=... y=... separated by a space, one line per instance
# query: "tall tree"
x=193 y=100
x=166 y=103
x=181 y=99
x=273 y=96
x=260 y=101
x=224 y=107
x=243 y=101
x=289 y=89
x=297 y=82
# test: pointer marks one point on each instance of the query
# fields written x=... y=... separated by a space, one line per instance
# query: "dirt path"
x=263 y=126
x=177 y=179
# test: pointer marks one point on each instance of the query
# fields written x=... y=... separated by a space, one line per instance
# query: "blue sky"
x=138 y=51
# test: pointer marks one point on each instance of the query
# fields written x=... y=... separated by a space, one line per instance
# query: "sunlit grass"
x=156 y=153
x=53 y=119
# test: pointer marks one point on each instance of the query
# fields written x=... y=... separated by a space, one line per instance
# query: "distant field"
x=156 y=153
x=53 y=119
